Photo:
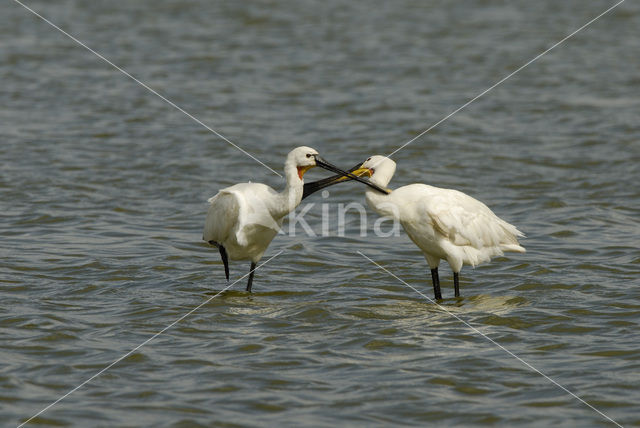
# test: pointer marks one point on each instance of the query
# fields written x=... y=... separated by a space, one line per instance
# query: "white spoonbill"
x=444 y=223
x=244 y=218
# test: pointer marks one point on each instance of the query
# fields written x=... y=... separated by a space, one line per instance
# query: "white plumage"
x=445 y=224
x=244 y=218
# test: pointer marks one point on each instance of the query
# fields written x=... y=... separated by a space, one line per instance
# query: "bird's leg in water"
x=456 y=284
x=225 y=260
x=436 y=284
x=253 y=269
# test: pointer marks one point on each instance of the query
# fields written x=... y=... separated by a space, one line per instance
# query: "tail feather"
x=513 y=247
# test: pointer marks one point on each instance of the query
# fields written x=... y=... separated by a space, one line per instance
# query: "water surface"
x=103 y=189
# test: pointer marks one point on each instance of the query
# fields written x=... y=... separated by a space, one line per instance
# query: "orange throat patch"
x=303 y=169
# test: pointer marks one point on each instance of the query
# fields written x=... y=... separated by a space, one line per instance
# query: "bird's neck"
x=291 y=196
x=382 y=203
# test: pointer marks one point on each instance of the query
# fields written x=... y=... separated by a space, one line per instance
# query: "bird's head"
x=379 y=168
x=303 y=158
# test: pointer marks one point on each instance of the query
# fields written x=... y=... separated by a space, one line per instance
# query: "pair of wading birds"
x=445 y=224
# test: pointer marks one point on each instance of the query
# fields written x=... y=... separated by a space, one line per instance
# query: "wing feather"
x=222 y=217
x=465 y=221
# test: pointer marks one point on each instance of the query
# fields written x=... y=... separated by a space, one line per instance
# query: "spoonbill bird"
x=244 y=218
x=444 y=223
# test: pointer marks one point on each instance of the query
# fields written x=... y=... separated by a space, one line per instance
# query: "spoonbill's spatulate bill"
x=314 y=186
x=443 y=223
x=244 y=218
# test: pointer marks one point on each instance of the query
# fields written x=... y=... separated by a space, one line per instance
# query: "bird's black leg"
x=253 y=268
x=436 y=284
x=456 y=284
x=225 y=260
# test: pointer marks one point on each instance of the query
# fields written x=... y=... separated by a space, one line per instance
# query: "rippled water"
x=103 y=188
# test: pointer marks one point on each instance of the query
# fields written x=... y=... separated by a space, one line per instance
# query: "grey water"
x=103 y=189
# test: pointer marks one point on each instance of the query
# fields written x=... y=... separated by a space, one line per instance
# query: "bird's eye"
x=309 y=155
x=368 y=159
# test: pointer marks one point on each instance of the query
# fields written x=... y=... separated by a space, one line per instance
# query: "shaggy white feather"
x=244 y=218
x=443 y=223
